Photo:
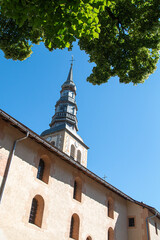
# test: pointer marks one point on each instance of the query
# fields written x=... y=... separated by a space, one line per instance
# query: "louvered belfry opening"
x=79 y=156
x=41 y=168
x=33 y=211
x=74 y=227
x=72 y=153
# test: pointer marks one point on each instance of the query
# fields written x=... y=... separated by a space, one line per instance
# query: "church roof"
x=35 y=137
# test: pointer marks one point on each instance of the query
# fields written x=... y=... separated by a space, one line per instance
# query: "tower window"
x=72 y=153
x=89 y=238
x=36 y=213
x=72 y=95
x=131 y=222
x=79 y=156
x=63 y=108
x=74 y=227
x=41 y=168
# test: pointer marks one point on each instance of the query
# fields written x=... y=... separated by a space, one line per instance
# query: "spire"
x=66 y=107
x=70 y=75
x=69 y=82
x=64 y=125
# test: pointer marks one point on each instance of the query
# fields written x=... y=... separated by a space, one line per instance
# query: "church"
x=47 y=192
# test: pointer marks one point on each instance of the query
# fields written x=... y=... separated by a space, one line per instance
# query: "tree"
x=122 y=37
x=56 y=23
x=129 y=42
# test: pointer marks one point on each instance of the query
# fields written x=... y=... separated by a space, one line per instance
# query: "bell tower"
x=64 y=125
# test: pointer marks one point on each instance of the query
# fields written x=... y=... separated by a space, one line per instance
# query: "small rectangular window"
x=131 y=222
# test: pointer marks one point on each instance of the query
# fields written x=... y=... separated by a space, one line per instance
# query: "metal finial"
x=72 y=60
x=104 y=177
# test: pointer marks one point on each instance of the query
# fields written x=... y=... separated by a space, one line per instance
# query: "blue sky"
x=120 y=123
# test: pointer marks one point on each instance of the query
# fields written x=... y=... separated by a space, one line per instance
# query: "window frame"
x=74 y=227
x=129 y=218
x=38 y=212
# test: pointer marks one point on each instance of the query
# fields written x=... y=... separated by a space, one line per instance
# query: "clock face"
x=76 y=144
x=49 y=139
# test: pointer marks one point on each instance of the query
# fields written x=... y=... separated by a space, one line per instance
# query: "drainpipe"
x=9 y=163
x=147 y=225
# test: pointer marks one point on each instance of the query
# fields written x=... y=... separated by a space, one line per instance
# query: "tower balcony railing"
x=64 y=115
x=67 y=98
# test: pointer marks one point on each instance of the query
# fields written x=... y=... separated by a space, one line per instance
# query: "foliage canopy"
x=122 y=37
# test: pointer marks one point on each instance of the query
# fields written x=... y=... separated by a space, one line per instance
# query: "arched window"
x=33 y=211
x=43 y=169
x=72 y=153
x=36 y=213
x=110 y=234
x=74 y=227
x=89 y=238
x=110 y=208
x=79 y=156
x=77 y=191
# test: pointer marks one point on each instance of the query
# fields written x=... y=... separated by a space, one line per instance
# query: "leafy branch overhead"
x=122 y=37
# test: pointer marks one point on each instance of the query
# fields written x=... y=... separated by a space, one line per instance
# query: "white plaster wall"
x=22 y=185
x=7 y=138
x=3 y=160
x=152 y=230
x=95 y=220
x=68 y=141
x=58 y=138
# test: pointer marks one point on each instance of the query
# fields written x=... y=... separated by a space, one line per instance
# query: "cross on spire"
x=104 y=177
x=72 y=60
